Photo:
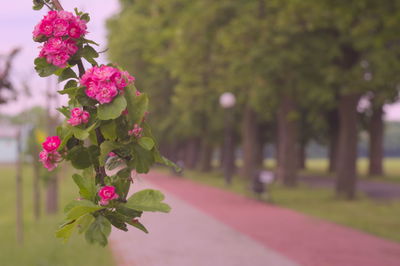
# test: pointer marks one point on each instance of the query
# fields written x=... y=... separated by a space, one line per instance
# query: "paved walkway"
x=209 y=226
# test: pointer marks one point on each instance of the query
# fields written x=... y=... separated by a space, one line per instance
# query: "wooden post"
x=19 y=205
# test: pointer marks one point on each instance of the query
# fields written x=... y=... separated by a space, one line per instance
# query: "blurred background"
x=294 y=103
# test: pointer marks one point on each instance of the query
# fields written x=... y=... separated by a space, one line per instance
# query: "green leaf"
x=148 y=200
x=86 y=17
x=66 y=231
x=98 y=231
x=113 y=109
x=142 y=159
x=64 y=110
x=66 y=134
x=67 y=73
x=84 y=222
x=109 y=130
x=83 y=134
x=139 y=226
x=105 y=148
x=146 y=143
x=78 y=211
x=80 y=157
x=137 y=105
x=88 y=52
x=87 y=186
x=43 y=68
x=38 y=4
x=131 y=213
x=117 y=220
x=79 y=133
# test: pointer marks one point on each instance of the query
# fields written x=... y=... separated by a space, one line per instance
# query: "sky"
x=17 y=20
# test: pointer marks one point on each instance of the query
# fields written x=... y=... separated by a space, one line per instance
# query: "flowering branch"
x=105 y=127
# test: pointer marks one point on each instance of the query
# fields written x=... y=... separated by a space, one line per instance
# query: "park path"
x=209 y=226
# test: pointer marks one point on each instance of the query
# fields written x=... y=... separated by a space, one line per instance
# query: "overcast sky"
x=17 y=20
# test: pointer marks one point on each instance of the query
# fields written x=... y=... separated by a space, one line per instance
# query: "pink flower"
x=138 y=93
x=46 y=28
x=60 y=27
x=74 y=31
x=106 y=194
x=78 y=116
x=111 y=154
x=71 y=46
x=85 y=117
x=60 y=59
x=50 y=159
x=136 y=131
x=65 y=15
x=51 y=143
x=74 y=121
x=76 y=112
x=104 y=83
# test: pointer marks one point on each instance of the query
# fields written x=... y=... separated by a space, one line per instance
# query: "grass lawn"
x=40 y=247
x=378 y=218
x=319 y=167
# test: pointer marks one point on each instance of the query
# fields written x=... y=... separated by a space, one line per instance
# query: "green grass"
x=378 y=218
x=320 y=166
x=40 y=247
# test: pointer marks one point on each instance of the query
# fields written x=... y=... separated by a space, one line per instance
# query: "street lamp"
x=227 y=100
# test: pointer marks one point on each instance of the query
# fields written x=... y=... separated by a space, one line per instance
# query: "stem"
x=57 y=5
x=100 y=171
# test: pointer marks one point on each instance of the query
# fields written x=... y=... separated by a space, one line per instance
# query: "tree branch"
x=57 y=5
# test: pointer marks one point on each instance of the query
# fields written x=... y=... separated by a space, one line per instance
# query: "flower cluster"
x=136 y=131
x=59 y=29
x=78 y=116
x=49 y=156
x=106 y=194
x=105 y=82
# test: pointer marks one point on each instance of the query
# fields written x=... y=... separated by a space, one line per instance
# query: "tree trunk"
x=36 y=185
x=19 y=193
x=288 y=142
x=376 y=136
x=347 y=148
x=250 y=143
x=333 y=119
x=206 y=156
x=52 y=195
x=302 y=155
x=192 y=153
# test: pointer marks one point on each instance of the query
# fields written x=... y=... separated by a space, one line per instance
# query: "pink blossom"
x=106 y=194
x=51 y=143
x=76 y=112
x=59 y=59
x=85 y=117
x=78 y=116
x=107 y=93
x=136 y=131
x=138 y=93
x=71 y=46
x=60 y=27
x=104 y=83
x=74 y=121
x=49 y=159
x=112 y=154
x=65 y=15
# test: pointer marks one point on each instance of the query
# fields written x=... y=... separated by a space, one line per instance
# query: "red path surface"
x=303 y=239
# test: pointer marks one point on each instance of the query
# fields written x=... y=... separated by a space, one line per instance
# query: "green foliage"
x=99 y=231
x=112 y=110
x=148 y=200
x=43 y=68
